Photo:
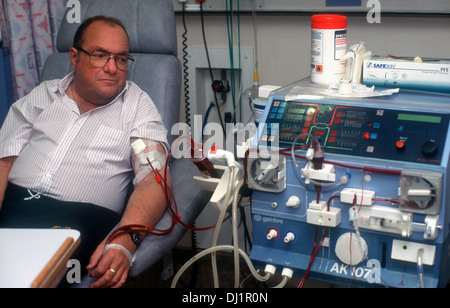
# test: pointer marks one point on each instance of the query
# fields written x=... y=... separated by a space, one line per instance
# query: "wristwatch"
x=136 y=237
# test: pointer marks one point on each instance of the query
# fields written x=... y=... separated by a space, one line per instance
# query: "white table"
x=35 y=257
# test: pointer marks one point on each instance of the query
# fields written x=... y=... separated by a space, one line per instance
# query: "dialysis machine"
x=353 y=191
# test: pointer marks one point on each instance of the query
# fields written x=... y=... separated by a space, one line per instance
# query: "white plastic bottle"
x=328 y=47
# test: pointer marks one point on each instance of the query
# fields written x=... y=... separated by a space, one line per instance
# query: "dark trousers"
x=92 y=221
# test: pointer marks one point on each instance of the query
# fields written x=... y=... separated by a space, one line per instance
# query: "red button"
x=400 y=145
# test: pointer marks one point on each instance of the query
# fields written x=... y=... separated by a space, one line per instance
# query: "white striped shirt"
x=73 y=157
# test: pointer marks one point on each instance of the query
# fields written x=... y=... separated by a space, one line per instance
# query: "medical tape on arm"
x=146 y=153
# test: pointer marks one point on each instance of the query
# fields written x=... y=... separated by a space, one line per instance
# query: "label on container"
x=328 y=47
x=316 y=48
x=340 y=44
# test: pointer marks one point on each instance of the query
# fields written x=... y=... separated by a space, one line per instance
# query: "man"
x=68 y=145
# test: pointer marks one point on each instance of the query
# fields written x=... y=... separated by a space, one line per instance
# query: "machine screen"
x=419 y=118
x=361 y=131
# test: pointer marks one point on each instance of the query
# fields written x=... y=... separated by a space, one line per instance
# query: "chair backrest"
x=153 y=43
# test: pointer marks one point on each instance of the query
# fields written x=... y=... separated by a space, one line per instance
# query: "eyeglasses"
x=100 y=58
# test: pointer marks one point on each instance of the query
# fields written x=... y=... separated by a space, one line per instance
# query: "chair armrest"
x=191 y=201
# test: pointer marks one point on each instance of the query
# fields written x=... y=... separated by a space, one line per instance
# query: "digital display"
x=419 y=118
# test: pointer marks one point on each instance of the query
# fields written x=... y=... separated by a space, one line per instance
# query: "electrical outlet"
x=193 y=7
x=199 y=83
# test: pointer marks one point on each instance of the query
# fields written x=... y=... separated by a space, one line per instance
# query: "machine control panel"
x=410 y=136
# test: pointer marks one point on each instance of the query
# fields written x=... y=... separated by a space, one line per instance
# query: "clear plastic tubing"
x=328 y=47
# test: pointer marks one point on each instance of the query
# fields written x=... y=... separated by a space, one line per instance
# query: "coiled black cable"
x=187 y=103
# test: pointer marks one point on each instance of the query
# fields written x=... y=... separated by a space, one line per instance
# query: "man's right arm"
x=5 y=167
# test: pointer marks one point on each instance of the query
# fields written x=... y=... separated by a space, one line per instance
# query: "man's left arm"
x=146 y=205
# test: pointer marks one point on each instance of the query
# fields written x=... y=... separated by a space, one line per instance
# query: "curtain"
x=29 y=30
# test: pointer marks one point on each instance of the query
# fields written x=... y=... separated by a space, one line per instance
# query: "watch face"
x=136 y=238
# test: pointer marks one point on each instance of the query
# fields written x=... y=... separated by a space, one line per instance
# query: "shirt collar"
x=64 y=84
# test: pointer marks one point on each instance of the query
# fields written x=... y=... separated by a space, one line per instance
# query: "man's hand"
x=146 y=205
x=110 y=269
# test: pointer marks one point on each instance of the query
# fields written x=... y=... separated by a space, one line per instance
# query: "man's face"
x=100 y=85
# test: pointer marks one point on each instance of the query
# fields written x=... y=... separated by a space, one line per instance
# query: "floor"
x=200 y=275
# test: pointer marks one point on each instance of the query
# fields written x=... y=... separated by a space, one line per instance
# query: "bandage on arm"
x=145 y=152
